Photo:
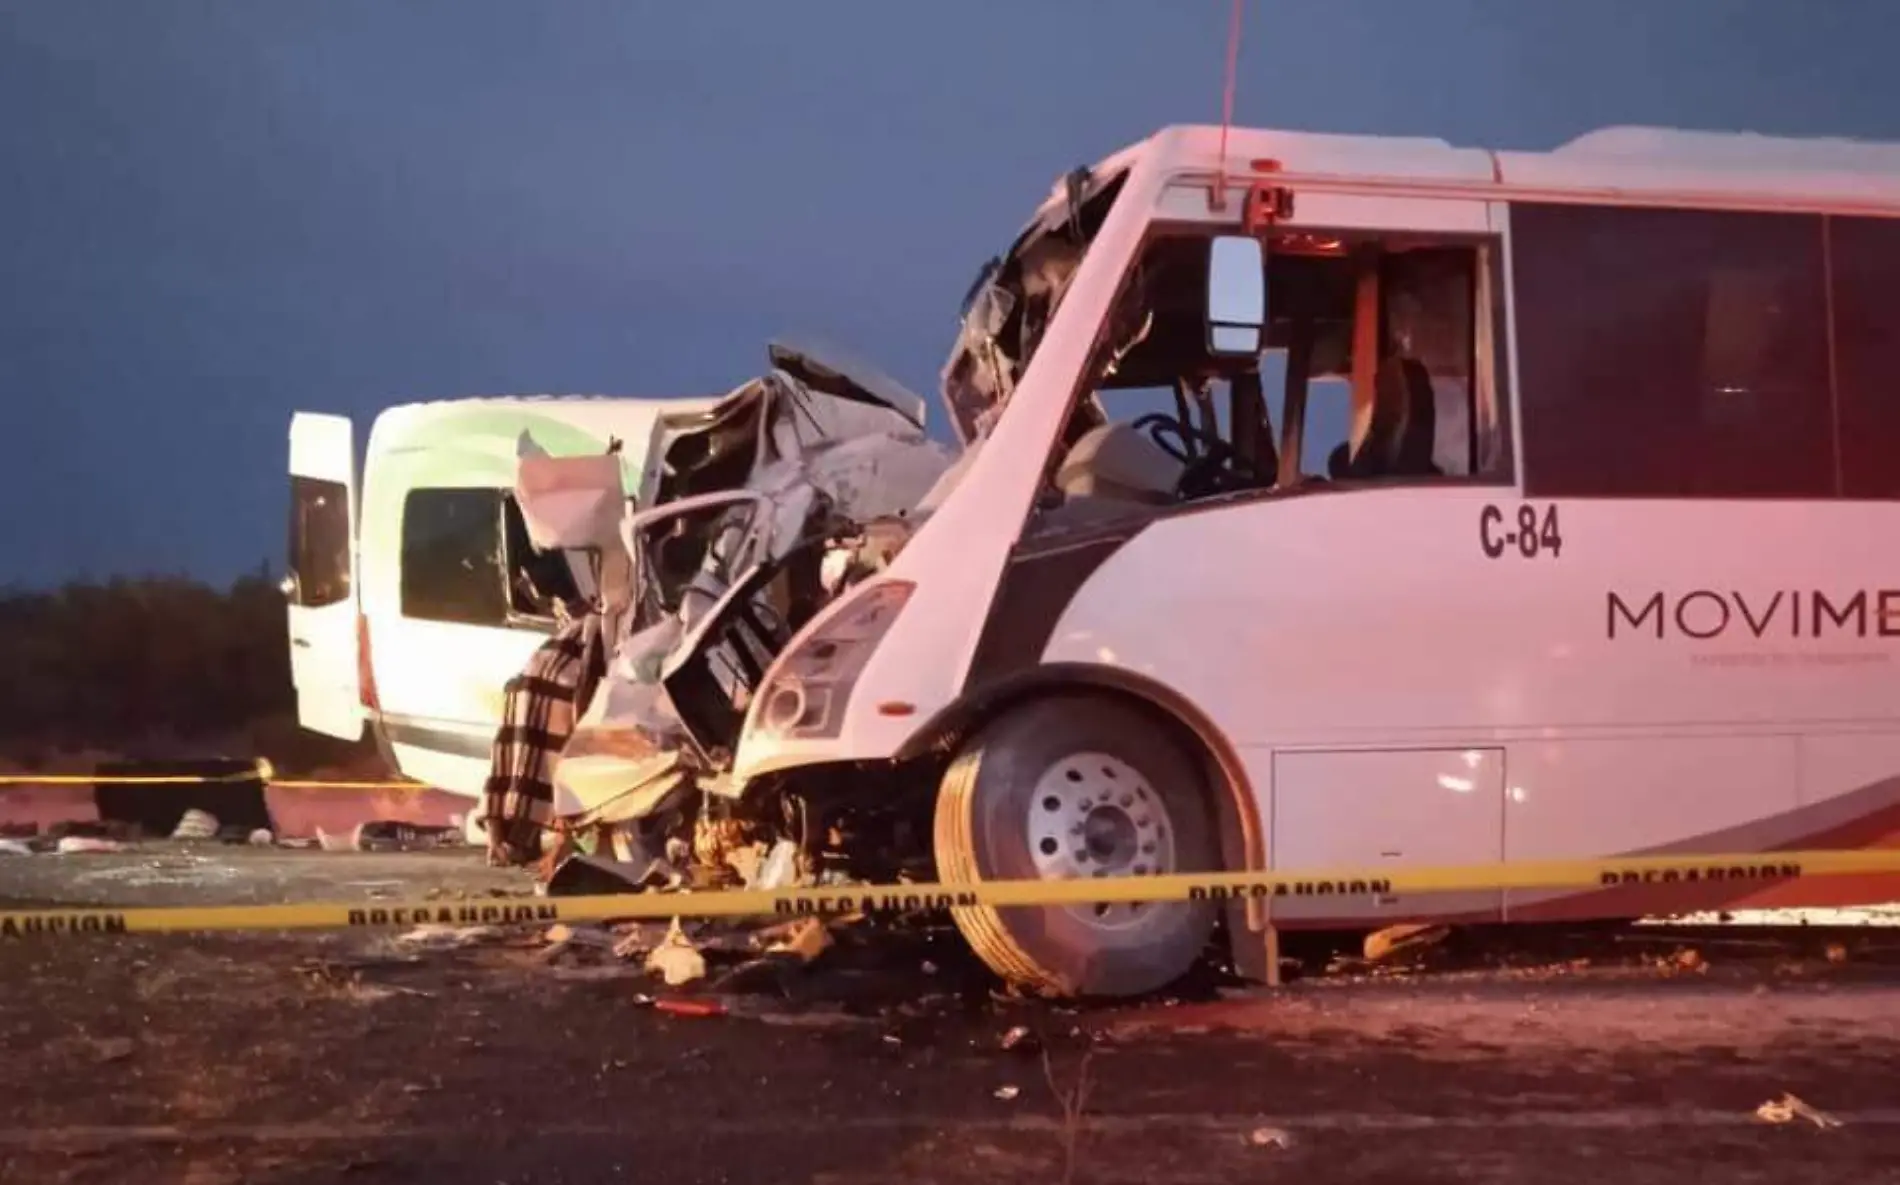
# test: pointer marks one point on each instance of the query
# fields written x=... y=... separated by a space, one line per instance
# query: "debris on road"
x=1007 y=1093
x=1270 y=1137
x=562 y=934
x=93 y=829
x=676 y=959
x=73 y=844
x=1788 y=1108
x=1407 y=939
x=564 y=940
x=1020 y=1040
x=635 y=940
x=1688 y=959
x=369 y=993
x=806 y=938
x=112 y=1049
x=391 y=835
x=594 y=972
x=441 y=937
x=770 y=973
x=581 y=875
x=196 y=824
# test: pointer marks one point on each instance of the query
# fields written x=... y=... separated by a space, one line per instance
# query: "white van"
x=445 y=600
x=1361 y=502
x=410 y=614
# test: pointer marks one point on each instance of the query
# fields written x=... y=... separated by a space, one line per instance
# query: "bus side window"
x=1428 y=298
x=1675 y=353
x=1865 y=254
x=1399 y=383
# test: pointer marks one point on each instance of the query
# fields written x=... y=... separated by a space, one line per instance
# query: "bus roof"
x=1626 y=164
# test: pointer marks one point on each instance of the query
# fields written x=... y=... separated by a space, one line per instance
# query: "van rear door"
x=321 y=584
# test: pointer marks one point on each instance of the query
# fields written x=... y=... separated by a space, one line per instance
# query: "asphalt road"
x=1555 y=1057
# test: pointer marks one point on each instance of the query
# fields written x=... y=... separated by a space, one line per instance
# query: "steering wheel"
x=1220 y=469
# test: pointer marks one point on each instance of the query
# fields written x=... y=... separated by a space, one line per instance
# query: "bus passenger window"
x=1429 y=302
x=1670 y=353
x=1390 y=390
x=1865 y=253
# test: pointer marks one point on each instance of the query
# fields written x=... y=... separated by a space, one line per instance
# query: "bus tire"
x=1076 y=786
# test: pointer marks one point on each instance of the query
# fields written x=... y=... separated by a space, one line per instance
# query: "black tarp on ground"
x=236 y=800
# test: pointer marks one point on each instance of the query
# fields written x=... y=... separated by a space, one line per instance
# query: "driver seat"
x=1118 y=461
x=1403 y=429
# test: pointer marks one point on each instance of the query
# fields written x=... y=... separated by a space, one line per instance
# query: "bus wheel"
x=1077 y=787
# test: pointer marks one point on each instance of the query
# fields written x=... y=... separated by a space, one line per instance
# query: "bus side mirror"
x=1236 y=295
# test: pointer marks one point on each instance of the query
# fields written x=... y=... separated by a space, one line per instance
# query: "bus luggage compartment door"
x=1386 y=808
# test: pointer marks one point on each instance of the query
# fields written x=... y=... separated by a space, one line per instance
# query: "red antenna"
x=1218 y=198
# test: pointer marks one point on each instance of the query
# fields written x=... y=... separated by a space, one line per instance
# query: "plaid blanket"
x=538 y=715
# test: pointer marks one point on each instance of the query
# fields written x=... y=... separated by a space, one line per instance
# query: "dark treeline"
x=152 y=666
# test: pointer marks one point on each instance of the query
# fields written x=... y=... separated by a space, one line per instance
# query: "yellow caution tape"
x=184 y=780
x=1752 y=868
x=120 y=780
x=302 y=784
x=263 y=772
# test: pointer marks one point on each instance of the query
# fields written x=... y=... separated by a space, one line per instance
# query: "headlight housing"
x=805 y=694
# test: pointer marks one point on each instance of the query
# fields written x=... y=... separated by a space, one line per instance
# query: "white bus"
x=1350 y=501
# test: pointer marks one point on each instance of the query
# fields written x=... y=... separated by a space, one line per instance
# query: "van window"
x=319 y=550
x=466 y=559
x=1672 y=353
x=1865 y=263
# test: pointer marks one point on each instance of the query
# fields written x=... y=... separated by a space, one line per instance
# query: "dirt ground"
x=1557 y=1056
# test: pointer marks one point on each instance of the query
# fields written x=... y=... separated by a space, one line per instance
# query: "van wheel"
x=1068 y=788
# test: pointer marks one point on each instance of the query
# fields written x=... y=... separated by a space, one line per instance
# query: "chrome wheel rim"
x=1094 y=815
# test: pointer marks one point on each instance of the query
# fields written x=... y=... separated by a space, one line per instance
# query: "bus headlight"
x=806 y=691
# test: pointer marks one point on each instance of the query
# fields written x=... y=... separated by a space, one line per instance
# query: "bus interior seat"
x=1339 y=461
x=1416 y=444
x=1403 y=430
x=1116 y=460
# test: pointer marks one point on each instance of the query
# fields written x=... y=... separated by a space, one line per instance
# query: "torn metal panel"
x=712 y=676
x=570 y=502
x=1014 y=295
x=631 y=794
x=823 y=366
x=780 y=497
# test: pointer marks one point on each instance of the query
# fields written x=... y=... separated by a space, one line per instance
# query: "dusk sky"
x=216 y=213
